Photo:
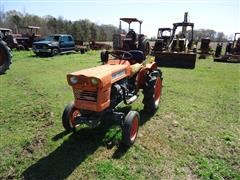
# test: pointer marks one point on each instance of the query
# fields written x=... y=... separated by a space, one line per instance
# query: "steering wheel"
x=120 y=54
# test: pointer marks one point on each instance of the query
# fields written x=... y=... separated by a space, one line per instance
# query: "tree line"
x=209 y=33
x=82 y=29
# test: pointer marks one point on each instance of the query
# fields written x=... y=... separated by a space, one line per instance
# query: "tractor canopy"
x=130 y=20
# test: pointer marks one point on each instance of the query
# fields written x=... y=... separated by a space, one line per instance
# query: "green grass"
x=194 y=134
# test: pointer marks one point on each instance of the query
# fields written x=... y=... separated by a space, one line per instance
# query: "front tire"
x=55 y=51
x=130 y=128
x=68 y=117
x=152 y=92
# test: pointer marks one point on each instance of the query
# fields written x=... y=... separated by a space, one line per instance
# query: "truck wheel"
x=55 y=51
x=69 y=113
x=20 y=47
x=5 y=58
x=82 y=50
x=130 y=128
x=152 y=92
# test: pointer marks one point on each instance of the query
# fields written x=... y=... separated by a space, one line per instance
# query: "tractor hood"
x=46 y=42
x=107 y=74
x=42 y=42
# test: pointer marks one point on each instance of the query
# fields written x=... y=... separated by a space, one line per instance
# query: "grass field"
x=195 y=133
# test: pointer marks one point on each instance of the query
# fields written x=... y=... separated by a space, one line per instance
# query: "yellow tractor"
x=180 y=52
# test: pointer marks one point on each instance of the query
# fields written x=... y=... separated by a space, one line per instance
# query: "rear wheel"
x=130 y=128
x=144 y=47
x=152 y=92
x=82 y=50
x=5 y=58
x=104 y=57
x=55 y=51
x=68 y=117
x=20 y=47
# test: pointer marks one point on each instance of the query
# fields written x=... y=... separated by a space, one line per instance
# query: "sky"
x=219 y=15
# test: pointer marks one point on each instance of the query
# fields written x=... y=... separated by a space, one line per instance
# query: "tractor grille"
x=85 y=95
x=41 y=46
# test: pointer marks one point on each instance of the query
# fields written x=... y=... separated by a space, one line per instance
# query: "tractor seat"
x=137 y=56
x=131 y=35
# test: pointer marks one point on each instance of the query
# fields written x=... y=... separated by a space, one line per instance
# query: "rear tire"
x=144 y=47
x=69 y=113
x=104 y=57
x=5 y=58
x=82 y=51
x=130 y=128
x=20 y=47
x=152 y=92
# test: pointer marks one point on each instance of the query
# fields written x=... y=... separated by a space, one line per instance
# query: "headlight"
x=74 y=80
x=94 y=81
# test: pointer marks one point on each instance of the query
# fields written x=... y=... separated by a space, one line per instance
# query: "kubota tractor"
x=131 y=40
x=5 y=57
x=99 y=90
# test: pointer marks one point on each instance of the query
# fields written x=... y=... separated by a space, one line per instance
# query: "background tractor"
x=99 y=90
x=163 y=39
x=205 y=48
x=8 y=37
x=131 y=40
x=5 y=57
x=28 y=36
x=180 y=52
x=232 y=52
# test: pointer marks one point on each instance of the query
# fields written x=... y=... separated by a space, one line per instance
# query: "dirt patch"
x=36 y=144
x=189 y=173
x=38 y=141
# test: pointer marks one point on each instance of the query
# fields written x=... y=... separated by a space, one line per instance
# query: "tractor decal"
x=118 y=74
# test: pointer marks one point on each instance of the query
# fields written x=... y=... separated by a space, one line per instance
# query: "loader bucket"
x=176 y=60
x=228 y=59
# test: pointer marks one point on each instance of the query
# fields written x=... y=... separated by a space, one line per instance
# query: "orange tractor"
x=99 y=90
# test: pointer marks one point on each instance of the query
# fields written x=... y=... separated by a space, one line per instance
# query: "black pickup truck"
x=54 y=44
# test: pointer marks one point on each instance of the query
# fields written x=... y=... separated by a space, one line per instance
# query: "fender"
x=152 y=65
x=140 y=79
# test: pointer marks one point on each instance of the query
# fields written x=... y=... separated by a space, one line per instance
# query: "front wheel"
x=68 y=117
x=152 y=92
x=55 y=52
x=130 y=128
